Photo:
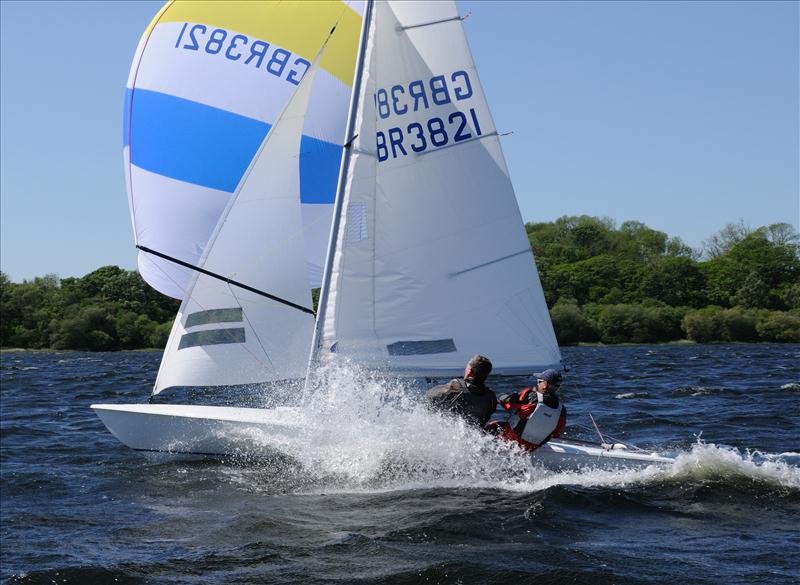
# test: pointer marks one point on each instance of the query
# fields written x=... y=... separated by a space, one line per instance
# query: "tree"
x=721 y=242
x=647 y=243
x=571 y=324
x=777 y=266
x=92 y=329
x=782 y=234
x=781 y=327
x=674 y=280
x=753 y=292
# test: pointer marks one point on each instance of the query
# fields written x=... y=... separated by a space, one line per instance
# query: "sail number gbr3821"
x=448 y=127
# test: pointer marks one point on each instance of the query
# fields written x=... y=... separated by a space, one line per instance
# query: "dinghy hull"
x=254 y=432
x=201 y=430
x=566 y=454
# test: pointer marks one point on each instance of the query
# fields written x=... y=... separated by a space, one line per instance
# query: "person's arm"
x=510 y=401
x=443 y=392
x=438 y=393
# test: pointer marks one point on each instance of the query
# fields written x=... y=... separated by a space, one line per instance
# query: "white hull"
x=200 y=430
x=254 y=432
x=566 y=454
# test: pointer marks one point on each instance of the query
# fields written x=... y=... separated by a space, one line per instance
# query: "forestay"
x=224 y=333
x=207 y=82
x=432 y=263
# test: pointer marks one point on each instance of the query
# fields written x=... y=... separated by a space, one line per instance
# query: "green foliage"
x=636 y=284
x=92 y=329
x=738 y=324
x=109 y=308
x=609 y=284
x=571 y=324
x=673 y=280
x=315 y=298
x=704 y=326
x=780 y=326
x=753 y=273
x=638 y=323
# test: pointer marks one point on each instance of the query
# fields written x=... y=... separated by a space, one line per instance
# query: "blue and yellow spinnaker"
x=207 y=82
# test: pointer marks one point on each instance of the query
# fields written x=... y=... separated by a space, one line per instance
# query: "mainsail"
x=206 y=85
x=432 y=263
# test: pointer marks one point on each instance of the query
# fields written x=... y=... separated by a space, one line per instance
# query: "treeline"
x=108 y=309
x=602 y=283
x=635 y=284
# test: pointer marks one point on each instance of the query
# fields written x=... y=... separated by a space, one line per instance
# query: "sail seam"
x=484 y=264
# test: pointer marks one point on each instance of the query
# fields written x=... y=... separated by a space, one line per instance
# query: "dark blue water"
x=397 y=504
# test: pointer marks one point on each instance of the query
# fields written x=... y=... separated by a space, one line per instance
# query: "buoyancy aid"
x=532 y=424
x=473 y=401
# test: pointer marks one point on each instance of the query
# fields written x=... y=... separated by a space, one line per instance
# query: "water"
x=381 y=491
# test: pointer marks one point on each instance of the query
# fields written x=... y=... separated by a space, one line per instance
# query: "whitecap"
x=629 y=395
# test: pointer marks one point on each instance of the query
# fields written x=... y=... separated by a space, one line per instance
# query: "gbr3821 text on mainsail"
x=398 y=106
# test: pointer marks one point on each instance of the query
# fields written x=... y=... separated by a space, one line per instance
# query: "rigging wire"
x=591 y=417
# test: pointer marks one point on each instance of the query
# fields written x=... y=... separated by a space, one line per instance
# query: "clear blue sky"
x=682 y=115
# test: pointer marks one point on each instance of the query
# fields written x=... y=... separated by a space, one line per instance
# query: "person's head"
x=478 y=369
x=549 y=381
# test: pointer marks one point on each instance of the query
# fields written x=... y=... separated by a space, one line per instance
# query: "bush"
x=779 y=326
x=739 y=325
x=571 y=324
x=93 y=330
x=639 y=323
x=705 y=325
x=160 y=335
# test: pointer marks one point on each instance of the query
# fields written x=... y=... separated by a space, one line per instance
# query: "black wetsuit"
x=475 y=402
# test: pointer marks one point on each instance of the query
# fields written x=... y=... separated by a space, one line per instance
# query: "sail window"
x=422 y=347
x=212 y=337
x=233 y=315
x=356 y=228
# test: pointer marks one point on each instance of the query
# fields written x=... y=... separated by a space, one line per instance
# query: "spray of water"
x=375 y=432
x=707 y=461
x=356 y=430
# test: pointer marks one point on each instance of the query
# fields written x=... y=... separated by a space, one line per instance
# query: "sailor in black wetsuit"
x=467 y=396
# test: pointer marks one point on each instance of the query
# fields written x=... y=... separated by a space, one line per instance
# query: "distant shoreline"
x=581 y=344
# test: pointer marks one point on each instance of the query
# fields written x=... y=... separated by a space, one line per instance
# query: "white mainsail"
x=228 y=334
x=432 y=263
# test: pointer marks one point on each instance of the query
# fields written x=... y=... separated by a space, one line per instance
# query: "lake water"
x=393 y=494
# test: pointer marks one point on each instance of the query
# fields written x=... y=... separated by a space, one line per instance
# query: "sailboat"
x=272 y=147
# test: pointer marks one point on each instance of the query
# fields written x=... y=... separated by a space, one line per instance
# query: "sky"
x=682 y=115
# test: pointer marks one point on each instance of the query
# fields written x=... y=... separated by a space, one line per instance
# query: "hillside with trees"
x=603 y=283
x=636 y=284
x=107 y=309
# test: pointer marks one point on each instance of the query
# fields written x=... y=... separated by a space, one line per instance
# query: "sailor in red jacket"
x=537 y=414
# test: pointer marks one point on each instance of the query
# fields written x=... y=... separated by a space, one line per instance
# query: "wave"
x=629 y=395
x=699 y=391
x=708 y=461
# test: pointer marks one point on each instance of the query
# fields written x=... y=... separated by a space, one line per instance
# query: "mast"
x=337 y=209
